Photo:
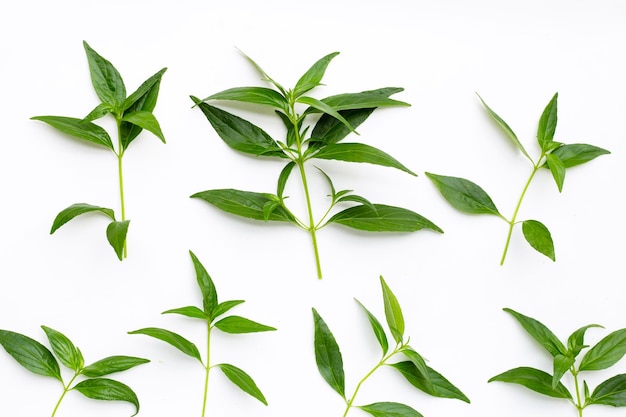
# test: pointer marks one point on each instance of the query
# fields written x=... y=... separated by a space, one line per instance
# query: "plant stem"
x=578 y=404
x=208 y=368
x=120 y=155
x=66 y=388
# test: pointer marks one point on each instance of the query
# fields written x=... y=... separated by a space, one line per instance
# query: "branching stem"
x=66 y=388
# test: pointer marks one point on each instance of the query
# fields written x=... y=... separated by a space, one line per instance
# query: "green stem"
x=66 y=388
x=208 y=368
x=120 y=156
x=578 y=404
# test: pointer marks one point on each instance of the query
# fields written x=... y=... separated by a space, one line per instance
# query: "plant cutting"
x=314 y=129
x=211 y=314
x=132 y=114
x=330 y=362
x=35 y=357
x=468 y=197
x=602 y=355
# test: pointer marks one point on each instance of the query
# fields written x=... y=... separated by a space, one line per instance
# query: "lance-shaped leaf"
x=225 y=306
x=263 y=73
x=189 y=311
x=325 y=108
x=79 y=129
x=377 y=328
x=64 y=349
x=605 y=353
x=540 y=333
x=439 y=386
x=283 y=177
x=539 y=237
x=242 y=380
x=577 y=153
x=561 y=364
x=108 y=390
x=547 y=124
x=116 y=235
x=240 y=134
x=610 y=392
x=535 y=380
x=31 y=354
x=243 y=203
x=112 y=364
x=364 y=100
x=145 y=120
x=393 y=312
x=389 y=409
x=174 y=339
x=383 y=218
x=256 y=95
x=76 y=210
x=328 y=356
x=360 y=152
x=313 y=76
x=557 y=168
x=99 y=111
x=329 y=130
x=207 y=287
x=421 y=367
x=576 y=341
x=106 y=80
x=237 y=325
x=464 y=195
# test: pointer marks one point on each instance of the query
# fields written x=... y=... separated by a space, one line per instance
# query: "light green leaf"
x=535 y=380
x=256 y=95
x=64 y=349
x=76 y=210
x=540 y=333
x=577 y=153
x=107 y=390
x=225 y=306
x=106 y=80
x=389 y=409
x=243 y=203
x=99 y=111
x=78 y=128
x=116 y=235
x=377 y=328
x=383 y=218
x=359 y=152
x=438 y=387
x=174 y=339
x=112 y=364
x=610 y=392
x=207 y=287
x=557 y=168
x=237 y=325
x=538 y=236
x=328 y=356
x=31 y=354
x=242 y=380
x=576 y=341
x=393 y=312
x=606 y=352
x=145 y=120
x=264 y=74
x=464 y=195
x=189 y=311
x=313 y=76
x=547 y=124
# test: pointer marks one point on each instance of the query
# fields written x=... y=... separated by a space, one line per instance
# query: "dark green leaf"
x=382 y=218
x=78 y=128
x=190 y=311
x=107 y=390
x=464 y=195
x=242 y=380
x=76 y=210
x=291 y=131
x=420 y=366
x=538 y=236
x=389 y=409
x=439 y=386
x=557 y=168
x=611 y=392
x=328 y=356
x=547 y=124
x=207 y=287
x=111 y=365
x=173 y=339
x=393 y=312
x=225 y=306
x=329 y=130
x=116 y=235
x=31 y=354
x=243 y=203
x=236 y=325
x=106 y=80
x=282 y=178
x=561 y=364
x=325 y=108
x=313 y=76
x=577 y=153
x=576 y=342
x=99 y=111
x=64 y=349
x=256 y=95
x=535 y=380
x=606 y=352
x=365 y=99
x=145 y=120
x=359 y=152
x=379 y=332
x=540 y=333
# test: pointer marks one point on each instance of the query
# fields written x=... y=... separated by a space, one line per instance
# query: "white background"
x=452 y=290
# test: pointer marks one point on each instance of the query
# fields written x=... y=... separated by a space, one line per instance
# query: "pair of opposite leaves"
x=337 y=116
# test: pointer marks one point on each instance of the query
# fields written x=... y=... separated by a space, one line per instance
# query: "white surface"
x=515 y=54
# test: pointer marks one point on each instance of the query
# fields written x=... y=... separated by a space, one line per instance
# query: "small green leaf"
x=393 y=312
x=610 y=392
x=174 y=339
x=313 y=76
x=389 y=409
x=576 y=341
x=282 y=178
x=535 y=380
x=357 y=199
x=561 y=364
x=64 y=349
x=243 y=203
x=207 y=287
x=76 y=210
x=577 y=153
x=225 y=306
x=538 y=236
x=325 y=108
x=557 y=168
x=237 y=325
x=420 y=366
x=31 y=354
x=116 y=235
x=256 y=95
x=605 y=353
x=111 y=365
x=99 y=111
x=190 y=311
x=145 y=120
x=438 y=387
x=540 y=333
x=547 y=124
x=359 y=152
x=242 y=380
x=107 y=390
x=383 y=218
x=263 y=73
x=328 y=356
x=464 y=195
x=106 y=80
x=377 y=328
x=78 y=128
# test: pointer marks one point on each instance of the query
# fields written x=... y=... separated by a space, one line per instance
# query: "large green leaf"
x=539 y=237
x=256 y=95
x=31 y=354
x=76 y=210
x=313 y=76
x=145 y=120
x=464 y=195
x=606 y=352
x=577 y=153
x=243 y=203
x=383 y=218
x=547 y=124
x=78 y=128
x=420 y=367
x=561 y=364
x=610 y=392
x=535 y=380
x=207 y=287
x=328 y=356
x=365 y=99
x=237 y=325
x=108 y=390
x=325 y=108
x=359 y=152
x=439 y=386
x=377 y=328
x=174 y=339
x=242 y=380
x=111 y=365
x=329 y=130
x=390 y=409
x=393 y=312
x=116 y=235
x=64 y=349
x=540 y=333
x=106 y=80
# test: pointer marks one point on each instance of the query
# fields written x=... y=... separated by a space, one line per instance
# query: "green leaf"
x=240 y=134
x=64 y=349
x=242 y=380
x=328 y=356
x=190 y=311
x=145 y=120
x=106 y=80
x=313 y=76
x=547 y=124
x=464 y=195
x=538 y=236
x=116 y=235
x=577 y=153
x=438 y=387
x=111 y=365
x=329 y=130
x=207 y=287
x=107 y=390
x=393 y=312
x=359 y=152
x=237 y=325
x=377 y=328
x=79 y=128
x=243 y=203
x=561 y=364
x=225 y=306
x=576 y=341
x=389 y=409
x=606 y=352
x=382 y=218
x=264 y=74
x=256 y=95
x=325 y=108
x=420 y=366
x=174 y=339
x=282 y=178
x=506 y=128
x=99 y=111
x=76 y=210
x=31 y=354
x=540 y=333
x=610 y=392
x=357 y=199
x=535 y=380
x=365 y=100
x=557 y=168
